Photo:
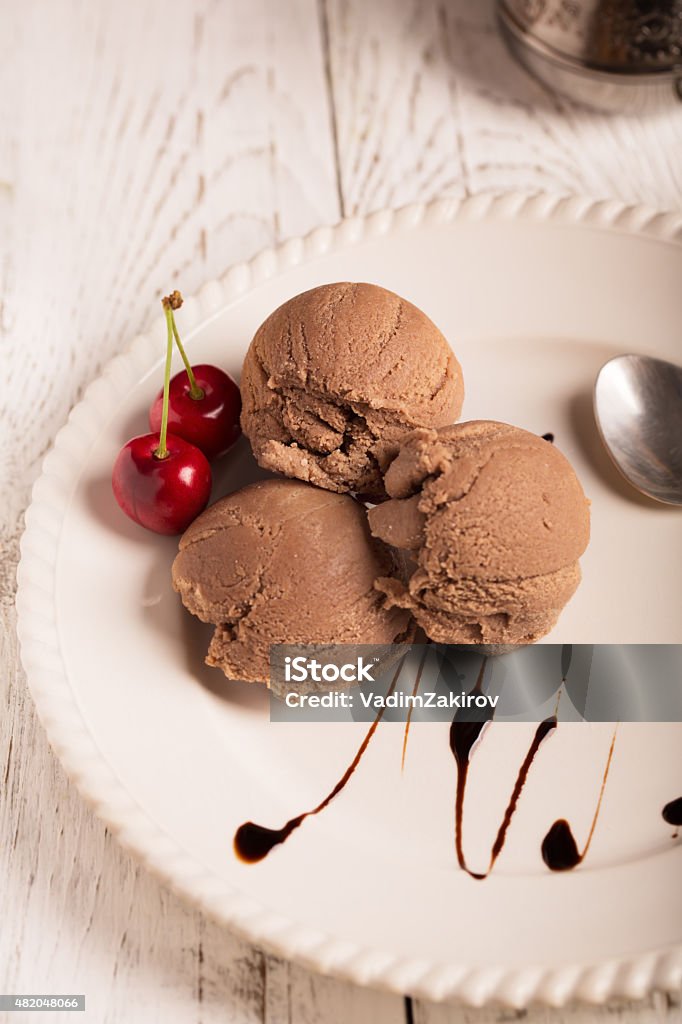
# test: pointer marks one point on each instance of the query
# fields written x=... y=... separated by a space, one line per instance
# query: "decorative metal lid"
x=623 y=37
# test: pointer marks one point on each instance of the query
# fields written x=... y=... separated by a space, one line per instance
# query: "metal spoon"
x=638 y=408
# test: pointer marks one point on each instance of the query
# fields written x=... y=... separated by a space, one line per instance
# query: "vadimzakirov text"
x=377 y=701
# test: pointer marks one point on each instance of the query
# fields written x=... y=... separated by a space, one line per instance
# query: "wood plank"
x=139 y=150
x=657 y=1009
x=302 y=997
x=429 y=102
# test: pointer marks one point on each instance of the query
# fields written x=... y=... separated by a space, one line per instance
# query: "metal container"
x=611 y=54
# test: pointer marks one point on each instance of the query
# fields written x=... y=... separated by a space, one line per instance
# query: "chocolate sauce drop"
x=548 y=437
x=559 y=849
x=672 y=812
x=254 y=842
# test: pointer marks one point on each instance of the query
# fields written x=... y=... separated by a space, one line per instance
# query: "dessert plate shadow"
x=535 y=294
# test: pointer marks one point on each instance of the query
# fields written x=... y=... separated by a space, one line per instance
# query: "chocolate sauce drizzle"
x=254 y=842
x=415 y=690
x=463 y=737
x=566 y=659
x=559 y=849
x=672 y=812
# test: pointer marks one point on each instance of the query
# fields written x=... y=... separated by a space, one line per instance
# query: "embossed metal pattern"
x=622 y=36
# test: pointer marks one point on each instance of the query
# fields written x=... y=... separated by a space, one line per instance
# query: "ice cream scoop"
x=280 y=562
x=336 y=376
x=496 y=521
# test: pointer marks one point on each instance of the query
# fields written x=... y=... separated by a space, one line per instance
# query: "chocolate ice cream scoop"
x=282 y=562
x=496 y=520
x=336 y=376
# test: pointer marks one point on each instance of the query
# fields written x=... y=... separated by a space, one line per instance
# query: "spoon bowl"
x=638 y=409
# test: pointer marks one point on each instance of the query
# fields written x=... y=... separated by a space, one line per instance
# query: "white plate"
x=535 y=295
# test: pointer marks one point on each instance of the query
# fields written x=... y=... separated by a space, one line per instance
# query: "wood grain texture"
x=153 y=143
x=140 y=146
x=657 y=1009
x=428 y=102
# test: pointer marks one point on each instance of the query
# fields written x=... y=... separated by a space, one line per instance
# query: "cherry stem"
x=162 y=451
x=171 y=302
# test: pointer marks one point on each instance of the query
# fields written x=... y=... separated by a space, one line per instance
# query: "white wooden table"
x=146 y=144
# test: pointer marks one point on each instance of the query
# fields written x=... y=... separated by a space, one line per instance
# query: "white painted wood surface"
x=150 y=143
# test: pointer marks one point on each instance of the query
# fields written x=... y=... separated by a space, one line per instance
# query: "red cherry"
x=210 y=421
x=163 y=494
